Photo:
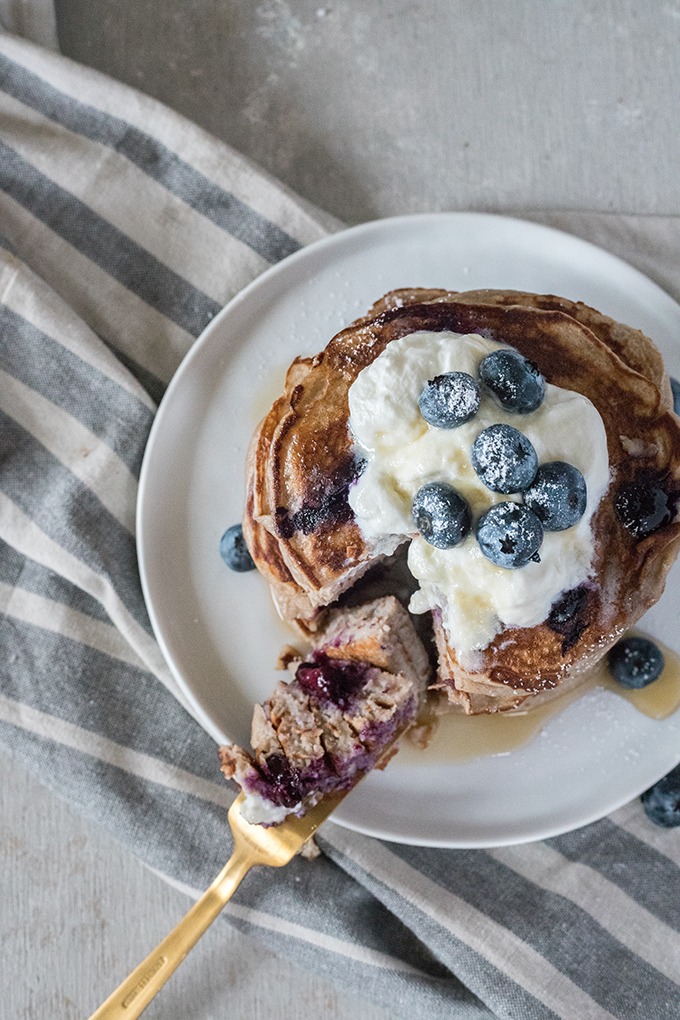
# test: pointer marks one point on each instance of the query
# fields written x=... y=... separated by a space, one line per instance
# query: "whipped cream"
x=477 y=599
x=259 y=811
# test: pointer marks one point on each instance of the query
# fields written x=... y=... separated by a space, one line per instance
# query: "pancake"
x=339 y=715
x=304 y=539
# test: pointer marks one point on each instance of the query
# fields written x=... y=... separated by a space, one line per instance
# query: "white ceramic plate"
x=218 y=629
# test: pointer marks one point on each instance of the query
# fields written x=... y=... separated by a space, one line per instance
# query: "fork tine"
x=278 y=844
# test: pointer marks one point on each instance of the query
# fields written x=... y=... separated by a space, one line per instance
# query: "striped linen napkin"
x=124 y=230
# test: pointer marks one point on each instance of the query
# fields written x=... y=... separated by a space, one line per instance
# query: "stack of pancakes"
x=305 y=541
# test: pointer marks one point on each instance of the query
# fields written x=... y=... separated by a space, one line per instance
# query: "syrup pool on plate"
x=458 y=737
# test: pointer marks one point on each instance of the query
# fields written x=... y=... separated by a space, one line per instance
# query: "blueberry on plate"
x=510 y=535
x=513 y=380
x=449 y=400
x=635 y=662
x=504 y=459
x=662 y=801
x=675 y=386
x=234 y=551
x=441 y=514
x=557 y=495
x=642 y=507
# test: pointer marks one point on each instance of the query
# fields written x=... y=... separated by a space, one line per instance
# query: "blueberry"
x=567 y=607
x=675 y=386
x=635 y=662
x=449 y=400
x=284 y=781
x=504 y=459
x=514 y=381
x=234 y=551
x=557 y=495
x=642 y=507
x=510 y=535
x=334 y=680
x=441 y=514
x=662 y=801
x=570 y=614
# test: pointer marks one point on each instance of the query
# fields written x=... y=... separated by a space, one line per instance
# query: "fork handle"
x=135 y=993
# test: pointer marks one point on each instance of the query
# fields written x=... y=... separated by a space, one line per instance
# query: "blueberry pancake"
x=526 y=449
x=338 y=715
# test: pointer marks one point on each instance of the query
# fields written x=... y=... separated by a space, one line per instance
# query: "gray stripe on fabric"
x=188 y=840
x=403 y=995
x=114 y=699
x=170 y=829
x=223 y=208
x=20 y=572
x=70 y=514
x=556 y=928
x=106 y=409
x=504 y=996
x=154 y=386
x=616 y=854
x=105 y=245
x=380 y=929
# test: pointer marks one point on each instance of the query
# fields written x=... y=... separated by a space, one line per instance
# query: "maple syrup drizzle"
x=464 y=737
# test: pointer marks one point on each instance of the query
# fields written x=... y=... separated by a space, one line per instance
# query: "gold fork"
x=253 y=845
